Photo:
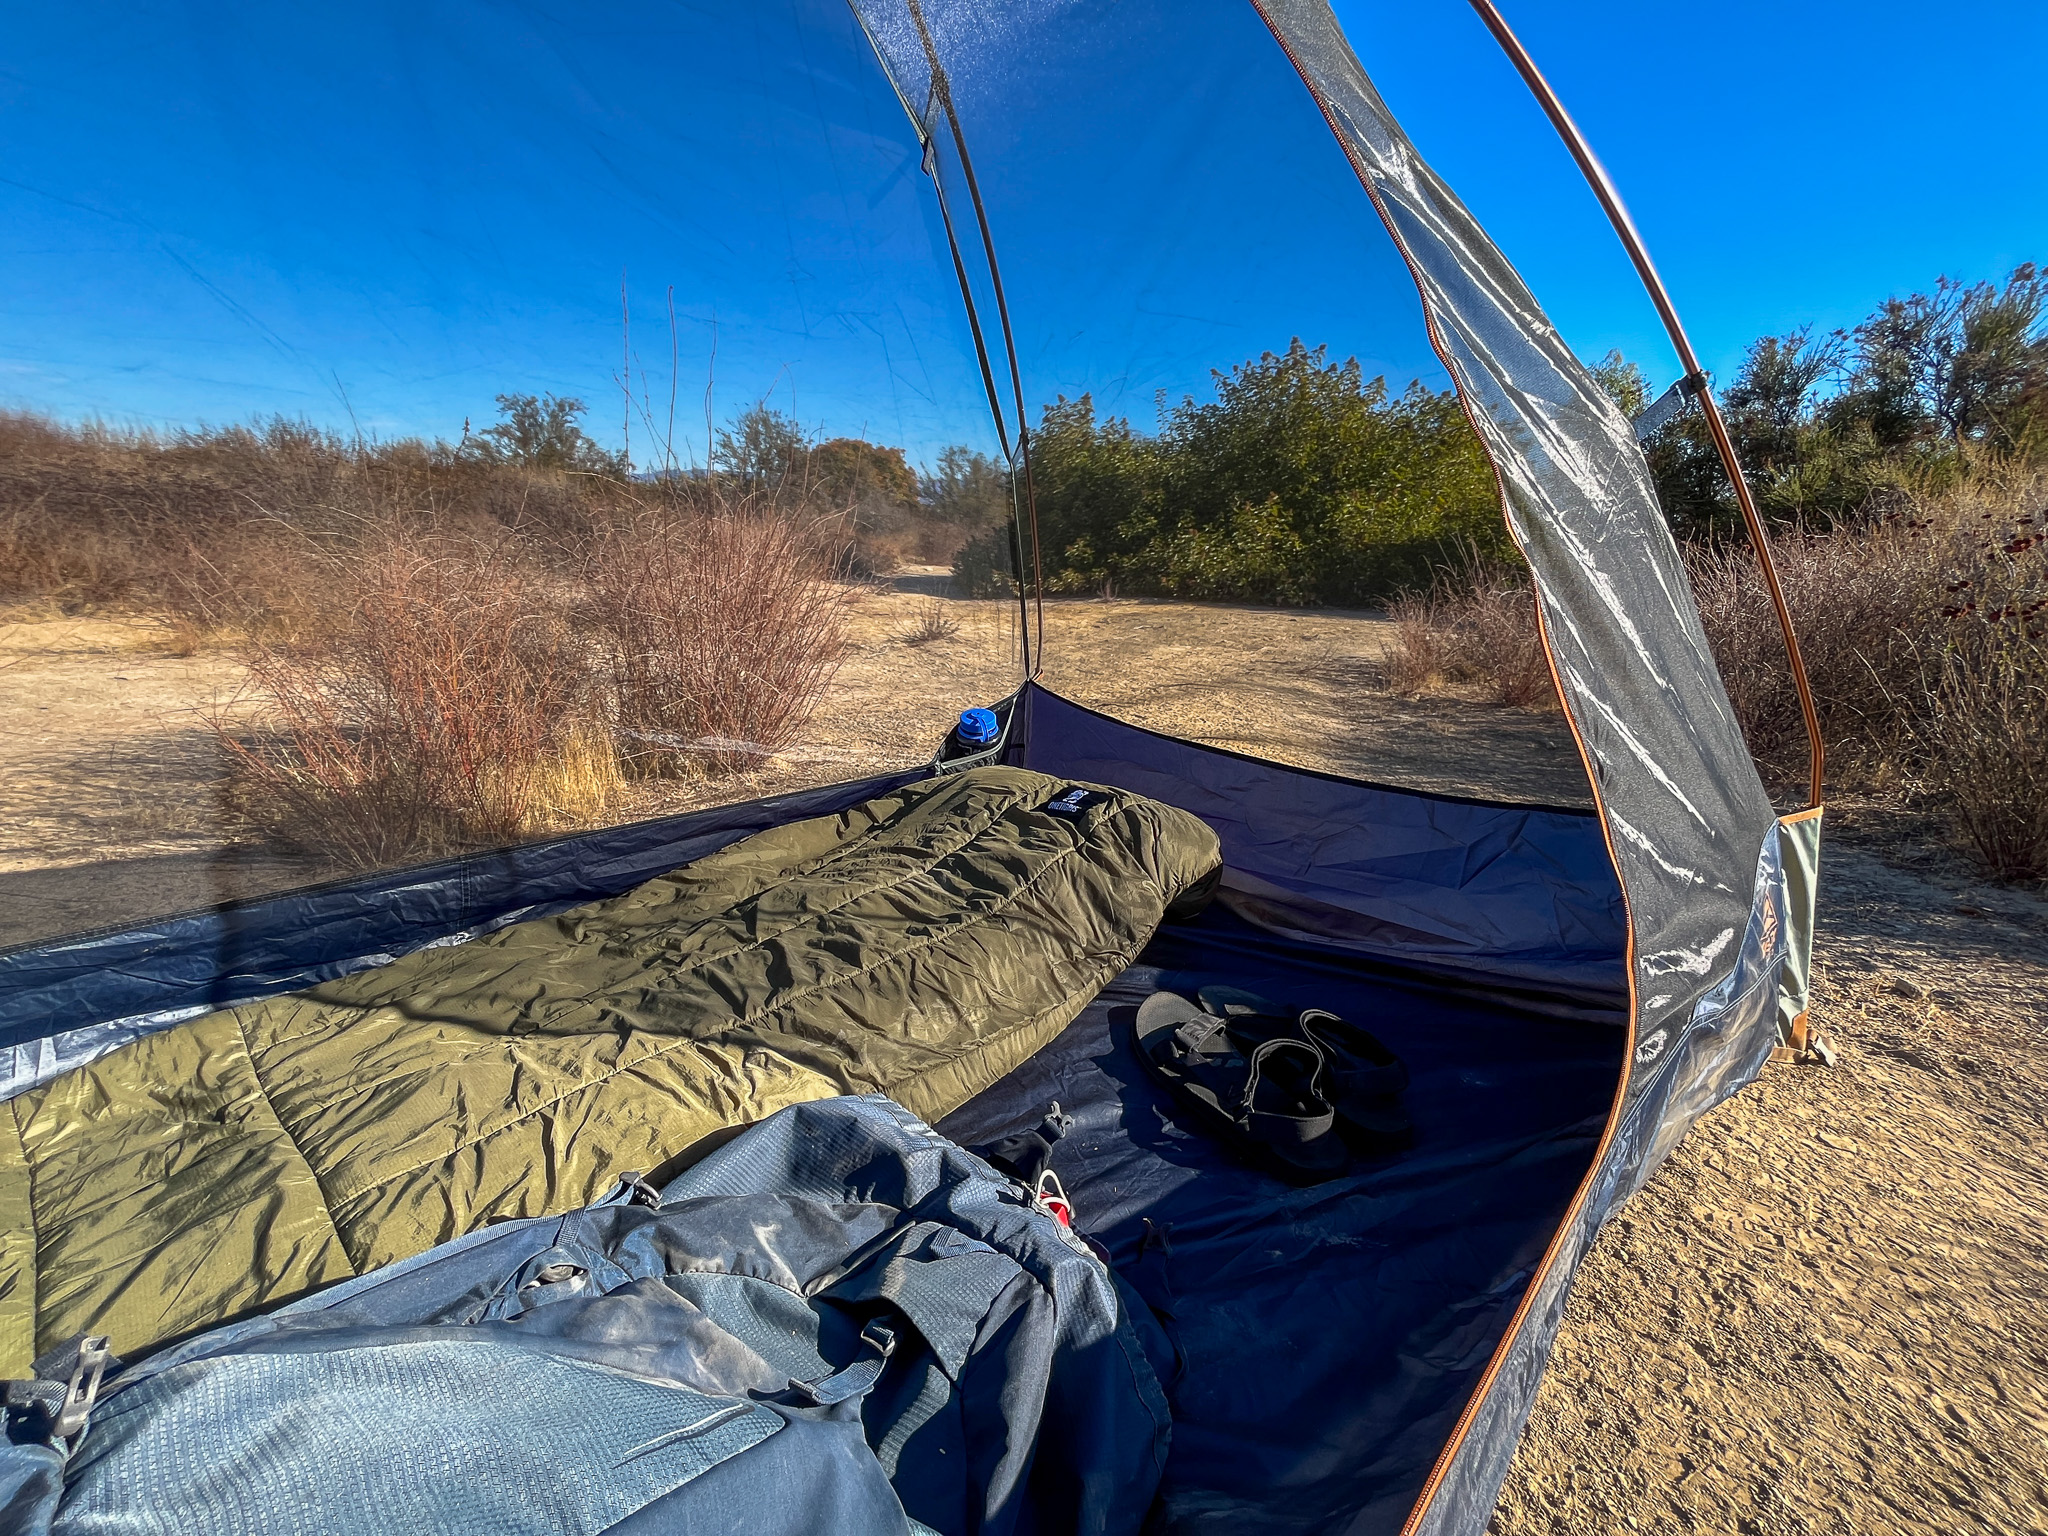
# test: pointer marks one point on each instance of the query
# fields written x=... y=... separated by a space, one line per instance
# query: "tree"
x=972 y=492
x=968 y=489
x=1965 y=362
x=1306 y=482
x=761 y=450
x=542 y=432
x=852 y=472
x=1801 y=467
x=1093 y=482
x=1823 y=426
x=1301 y=482
x=1624 y=381
x=1773 y=393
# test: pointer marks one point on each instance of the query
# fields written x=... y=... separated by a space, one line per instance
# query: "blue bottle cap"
x=978 y=727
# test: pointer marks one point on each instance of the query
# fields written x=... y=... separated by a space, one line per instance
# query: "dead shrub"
x=1856 y=600
x=1984 y=723
x=1502 y=648
x=1924 y=627
x=1979 y=723
x=1475 y=629
x=717 y=631
x=439 y=709
x=933 y=623
x=1414 y=664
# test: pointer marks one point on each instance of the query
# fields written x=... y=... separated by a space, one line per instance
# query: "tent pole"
x=942 y=90
x=1695 y=376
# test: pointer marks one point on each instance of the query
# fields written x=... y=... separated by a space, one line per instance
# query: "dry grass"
x=1473 y=632
x=1977 y=723
x=233 y=530
x=579 y=781
x=1859 y=598
x=1985 y=721
x=1925 y=632
x=442 y=652
x=933 y=623
x=717 y=632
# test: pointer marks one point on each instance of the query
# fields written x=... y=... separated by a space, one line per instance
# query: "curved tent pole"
x=995 y=405
x=1695 y=380
x=942 y=90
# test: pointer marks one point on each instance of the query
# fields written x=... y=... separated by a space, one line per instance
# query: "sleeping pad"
x=919 y=945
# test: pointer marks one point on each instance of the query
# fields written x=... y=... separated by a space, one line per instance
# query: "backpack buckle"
x=75 y=1412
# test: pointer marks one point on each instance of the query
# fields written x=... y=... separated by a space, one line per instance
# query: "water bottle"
x=978 y=728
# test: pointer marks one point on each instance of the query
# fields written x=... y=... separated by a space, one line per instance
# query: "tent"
x=1570 y=986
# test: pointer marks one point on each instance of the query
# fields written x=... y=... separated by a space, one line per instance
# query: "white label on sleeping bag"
x=1074 y=800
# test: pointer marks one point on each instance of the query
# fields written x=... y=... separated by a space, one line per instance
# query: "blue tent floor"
x=1329 y=1335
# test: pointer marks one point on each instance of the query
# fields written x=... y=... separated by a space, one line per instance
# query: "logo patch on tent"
x=1075 y=801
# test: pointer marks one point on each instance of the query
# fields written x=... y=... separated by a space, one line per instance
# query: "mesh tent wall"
x=1681 y=908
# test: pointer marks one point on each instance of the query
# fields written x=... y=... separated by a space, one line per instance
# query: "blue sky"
x=380 y=216
x=1788 y=163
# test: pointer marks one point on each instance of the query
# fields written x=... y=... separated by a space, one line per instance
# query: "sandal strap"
x=1266 y=1051
x=1361 y=1067
x=1198 y=1037
x=1206 y=1053
x=1283 y=1132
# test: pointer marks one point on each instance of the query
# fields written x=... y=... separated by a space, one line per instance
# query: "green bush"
x=1828 y=428
x=1300 y=483
x=986 y=565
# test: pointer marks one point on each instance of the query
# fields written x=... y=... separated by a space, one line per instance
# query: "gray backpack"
x=838 y=1322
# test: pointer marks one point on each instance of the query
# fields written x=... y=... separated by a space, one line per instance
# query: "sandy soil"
x=1824 y=1314
x=110 y=808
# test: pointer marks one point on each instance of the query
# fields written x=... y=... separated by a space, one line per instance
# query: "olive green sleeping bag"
x=920 y=945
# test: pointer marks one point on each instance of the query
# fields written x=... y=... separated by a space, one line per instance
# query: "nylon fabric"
x=1799 y=853
x=1684 y=807
x=970 y=1368
x=922 y=943
x=69 y=1002
x=226 y=1445
x=1677 y=1074
x=31 y=1483
x=1327 y=1336
x=1518 y=899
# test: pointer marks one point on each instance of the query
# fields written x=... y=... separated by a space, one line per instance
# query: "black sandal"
x=1365 y=1080
x=1266 y=1096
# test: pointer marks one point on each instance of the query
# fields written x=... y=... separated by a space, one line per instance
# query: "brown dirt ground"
x=1824 y=1314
